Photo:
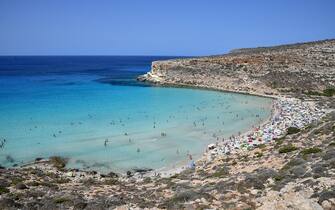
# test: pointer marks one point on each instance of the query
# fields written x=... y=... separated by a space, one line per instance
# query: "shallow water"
x=92 y=111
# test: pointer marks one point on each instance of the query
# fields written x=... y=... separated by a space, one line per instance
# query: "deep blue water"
x=71 y=106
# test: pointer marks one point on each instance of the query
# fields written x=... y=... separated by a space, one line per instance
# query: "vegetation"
x=147 y=180
x=292 y=130
x=244 y=158
x=278 y=178
x=62 y=180
x=279 y=141
x=221 y=172
x=313 y=93
x=328 y=92
x=261 y=146
x=3 y=190
x=259 y=154
x=310 y=151
x=181 y=197
x=58 y=162
x=111 y=181
x=61 y=200
x=287 y=148
x=16 y=180
x=274 y=84
x=33 y=183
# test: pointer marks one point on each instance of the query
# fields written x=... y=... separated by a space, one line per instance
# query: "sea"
x=92 y=111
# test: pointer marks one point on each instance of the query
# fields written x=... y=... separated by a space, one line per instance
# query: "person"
x=191 y=163
x=106 y=140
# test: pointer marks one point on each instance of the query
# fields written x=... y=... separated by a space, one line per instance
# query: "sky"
x=158 y=27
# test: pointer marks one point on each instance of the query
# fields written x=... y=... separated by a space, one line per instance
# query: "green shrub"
x=274 y=84
x=313 y=93
x=147 y=180
x=184 y=196
x=292 y=130
x=16 y=180
x=329 y=92
x=287 y=148
x=261 y=146
x=3 y=190
x=279 y=141
x=221 y=172
x=259 y=154
x=48 y=184
x=311 y=151
x=58 y=162
x=33 y=183
x=244 y=158
x=61 y=200
x=62 y=180
x=111 y=181
x=278 y=178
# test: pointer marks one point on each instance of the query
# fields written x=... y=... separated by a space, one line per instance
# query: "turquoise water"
x=111 y=127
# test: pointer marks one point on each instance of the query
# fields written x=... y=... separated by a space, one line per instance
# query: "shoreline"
x=275 y=110
x=165 y=171
x=174 y=169
x=168 y=171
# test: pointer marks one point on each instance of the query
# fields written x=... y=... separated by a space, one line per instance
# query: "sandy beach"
x=284 y=111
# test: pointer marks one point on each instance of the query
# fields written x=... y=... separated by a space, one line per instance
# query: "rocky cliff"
x=268 y=70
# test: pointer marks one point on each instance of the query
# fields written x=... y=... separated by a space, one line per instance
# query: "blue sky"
x=158 y=27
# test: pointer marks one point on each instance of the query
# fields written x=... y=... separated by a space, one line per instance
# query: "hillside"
x=296 y=68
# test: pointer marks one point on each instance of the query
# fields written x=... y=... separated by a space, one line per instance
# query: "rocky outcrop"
x=269 y=70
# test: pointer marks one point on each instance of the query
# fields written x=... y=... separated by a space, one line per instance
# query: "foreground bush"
x=287 y=148
x=58 y=162
x=292 y=130
x=308 y=151
x=329 y=92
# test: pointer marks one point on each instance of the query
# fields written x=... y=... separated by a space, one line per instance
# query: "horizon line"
x=12 y=55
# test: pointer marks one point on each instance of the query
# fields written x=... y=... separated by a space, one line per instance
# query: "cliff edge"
x=303 y=67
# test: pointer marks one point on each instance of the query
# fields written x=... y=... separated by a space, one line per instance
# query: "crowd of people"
x=287 y=112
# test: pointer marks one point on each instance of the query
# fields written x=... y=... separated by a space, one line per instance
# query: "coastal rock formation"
x=268 y=70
